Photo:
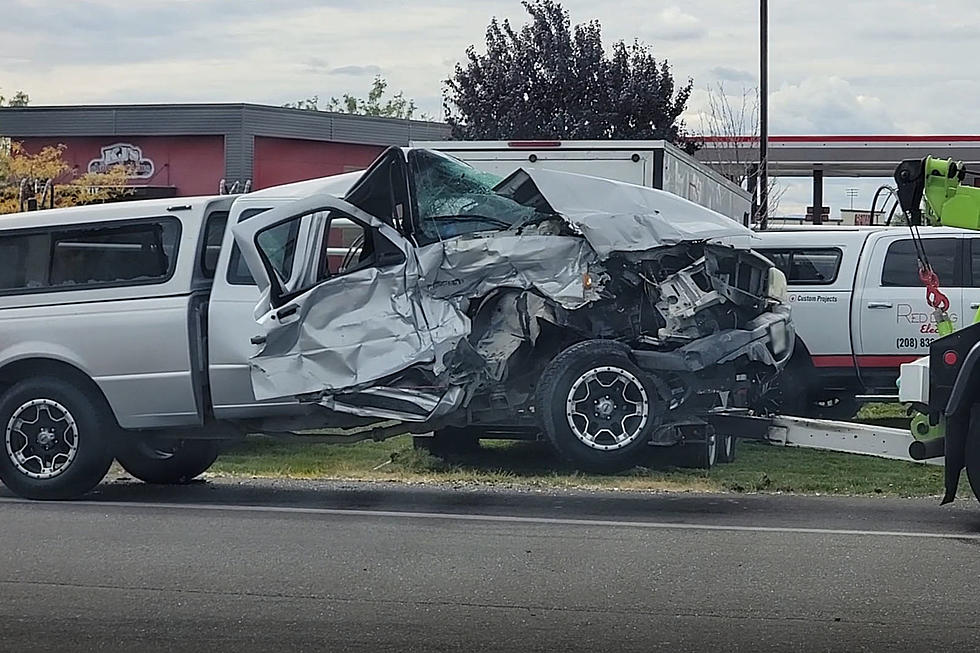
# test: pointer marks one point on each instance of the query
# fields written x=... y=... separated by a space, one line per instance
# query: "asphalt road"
x=344 y=567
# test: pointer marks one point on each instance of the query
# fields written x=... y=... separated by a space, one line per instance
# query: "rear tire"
x=792 y=393
x=166 y=462
x=54 y=439
x=597 y=408
x=973 y=459
x=449 y=441
x=841 y=409
x=726 y=448
x=701 y=455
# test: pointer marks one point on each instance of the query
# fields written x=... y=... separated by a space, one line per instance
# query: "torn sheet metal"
x=357 y=329
x=349 y=330
x=618 y=217
x=472 y=266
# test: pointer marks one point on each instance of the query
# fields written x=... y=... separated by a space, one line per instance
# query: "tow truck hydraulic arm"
x=931 y=192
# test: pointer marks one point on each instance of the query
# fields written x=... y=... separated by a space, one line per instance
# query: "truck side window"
x=114 y=254
x=349 y=245
x=901 y=268
x=975 y=262
x=278 y=243
x=238 y=273
x=214 y=231
x=806 y=267
x=25 y=261
x=87 y=256
x=346 y=247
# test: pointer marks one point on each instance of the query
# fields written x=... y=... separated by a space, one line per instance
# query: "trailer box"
x=655 y=164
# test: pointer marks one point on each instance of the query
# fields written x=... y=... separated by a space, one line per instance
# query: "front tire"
x=726 y=448
x=597 y=407
x=972 y=454
x=54 y=439
x=166 y=462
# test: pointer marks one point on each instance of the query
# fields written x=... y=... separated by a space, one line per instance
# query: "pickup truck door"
x=894 y=323
x=971 y=286
x=341 y=306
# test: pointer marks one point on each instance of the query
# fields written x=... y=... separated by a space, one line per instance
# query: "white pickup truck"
x=860 y=309
x=430 y=299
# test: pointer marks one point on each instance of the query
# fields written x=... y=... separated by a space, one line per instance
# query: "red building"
x=198 y=149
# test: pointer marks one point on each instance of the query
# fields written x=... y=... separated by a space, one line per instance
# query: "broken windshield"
x=454 y=198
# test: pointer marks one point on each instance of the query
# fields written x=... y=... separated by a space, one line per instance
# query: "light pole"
x=763 y=183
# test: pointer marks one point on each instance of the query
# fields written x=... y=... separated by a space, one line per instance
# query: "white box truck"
x=655 y=164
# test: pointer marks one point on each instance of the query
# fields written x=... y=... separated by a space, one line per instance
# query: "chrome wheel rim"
x=607 y=408
x=41 y=439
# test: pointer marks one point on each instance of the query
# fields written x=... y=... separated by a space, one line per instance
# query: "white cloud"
x=674 y=24
x=827 y=105
x=356 y=71
x=729 y=74
x=888 y=73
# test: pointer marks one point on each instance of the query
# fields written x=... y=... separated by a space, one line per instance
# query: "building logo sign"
x=124 y=154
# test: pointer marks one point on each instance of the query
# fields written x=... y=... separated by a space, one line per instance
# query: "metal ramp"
x=827 y=435
x=845 y=437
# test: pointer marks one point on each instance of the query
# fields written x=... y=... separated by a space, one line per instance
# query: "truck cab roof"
x=837 y=236
x=104 y=212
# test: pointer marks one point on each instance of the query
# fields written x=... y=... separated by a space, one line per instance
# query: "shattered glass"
x=454 y=198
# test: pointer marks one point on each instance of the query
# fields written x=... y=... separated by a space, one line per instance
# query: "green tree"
x=19 y=99
x=47 y=172
x=376 y=104
x=21 y=169
x=552 y=80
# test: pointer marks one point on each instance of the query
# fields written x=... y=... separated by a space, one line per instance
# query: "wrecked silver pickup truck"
x=600 y=313
x=418 y=296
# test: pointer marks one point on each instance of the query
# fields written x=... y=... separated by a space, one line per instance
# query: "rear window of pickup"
x=98 y=255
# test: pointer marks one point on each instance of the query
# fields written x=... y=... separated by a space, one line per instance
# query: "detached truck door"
x=895 y=324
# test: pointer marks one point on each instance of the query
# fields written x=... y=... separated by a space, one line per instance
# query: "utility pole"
x=852 y=193
x=763 y=184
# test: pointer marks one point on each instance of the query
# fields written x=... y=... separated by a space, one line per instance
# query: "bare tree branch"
x=729 y=139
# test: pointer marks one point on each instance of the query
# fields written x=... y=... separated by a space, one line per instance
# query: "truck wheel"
x=447 y=442
x=726 y=448
x=837 y=408
x=55 y=439
x=701 y=455
x=166 y=462
x=791 y=396
x=597 y=408
x=972 y=457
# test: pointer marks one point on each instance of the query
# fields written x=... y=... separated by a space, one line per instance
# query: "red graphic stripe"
x=883 y=360
x=848 y=139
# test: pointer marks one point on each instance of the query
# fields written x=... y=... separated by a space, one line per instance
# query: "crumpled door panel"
x=350 y=331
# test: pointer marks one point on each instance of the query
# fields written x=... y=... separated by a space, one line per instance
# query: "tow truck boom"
x=931 y=192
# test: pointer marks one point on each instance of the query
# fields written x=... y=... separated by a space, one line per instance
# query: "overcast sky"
x=836 y=66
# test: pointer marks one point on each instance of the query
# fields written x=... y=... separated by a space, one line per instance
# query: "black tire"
x=792 y=393
x=838 y=408
x=449 y=441
x=972 y=460
x=165 y=462
x=727 y=447
x=563 y=376
x=67 y=453
x=701 y=455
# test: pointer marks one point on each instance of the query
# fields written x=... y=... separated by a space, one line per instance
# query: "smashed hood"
x=618 y=217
